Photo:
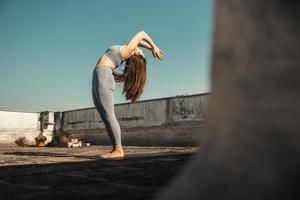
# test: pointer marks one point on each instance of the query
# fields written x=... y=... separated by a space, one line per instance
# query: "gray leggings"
x=103 y=85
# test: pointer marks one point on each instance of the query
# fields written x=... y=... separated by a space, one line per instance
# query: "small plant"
x=60 y=138
x=22 y=141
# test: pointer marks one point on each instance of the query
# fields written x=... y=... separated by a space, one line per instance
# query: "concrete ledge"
x=18 y=124
x=182 y=134
x=172 y=121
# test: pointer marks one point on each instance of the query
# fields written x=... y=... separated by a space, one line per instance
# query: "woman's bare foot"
x=105 y=155
x=115 y=154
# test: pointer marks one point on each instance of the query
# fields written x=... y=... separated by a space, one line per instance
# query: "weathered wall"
x=48 y=123
x=17 y=124
x=175 y=121
x=21 y=124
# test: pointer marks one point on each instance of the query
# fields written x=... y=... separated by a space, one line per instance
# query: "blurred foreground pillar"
x=252 y=151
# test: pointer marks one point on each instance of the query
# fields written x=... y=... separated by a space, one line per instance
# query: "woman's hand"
x=157 y=53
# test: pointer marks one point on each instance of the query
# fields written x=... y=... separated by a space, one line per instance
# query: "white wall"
x=21 y=124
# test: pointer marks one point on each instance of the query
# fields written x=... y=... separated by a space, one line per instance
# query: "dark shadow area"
x=29 y=153
x=68 y=155
x=136 y=177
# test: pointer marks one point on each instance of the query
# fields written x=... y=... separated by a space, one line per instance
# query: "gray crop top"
x=113 y=53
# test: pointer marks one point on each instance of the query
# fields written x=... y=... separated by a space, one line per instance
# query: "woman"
x=133 y=76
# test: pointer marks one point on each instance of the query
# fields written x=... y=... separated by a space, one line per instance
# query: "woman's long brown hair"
x=134 y=77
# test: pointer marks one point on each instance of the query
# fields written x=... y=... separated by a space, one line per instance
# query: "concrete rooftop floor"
x=76 y=173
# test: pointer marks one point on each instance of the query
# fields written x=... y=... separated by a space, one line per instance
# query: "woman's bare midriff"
x=105 y=61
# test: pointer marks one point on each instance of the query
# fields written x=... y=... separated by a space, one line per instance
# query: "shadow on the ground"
x=50 y=154
x=95 y=157
x=136 y=177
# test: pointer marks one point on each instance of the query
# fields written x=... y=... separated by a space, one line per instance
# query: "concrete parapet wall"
x=174 y=121
x=18 y=124
x=23 y=124
x=187 y=109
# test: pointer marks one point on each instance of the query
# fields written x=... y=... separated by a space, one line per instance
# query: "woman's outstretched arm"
x=135 y=41
x=156 y=52
x=145 y=44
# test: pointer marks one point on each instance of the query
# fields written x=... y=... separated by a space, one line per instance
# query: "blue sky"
x=49 y=48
